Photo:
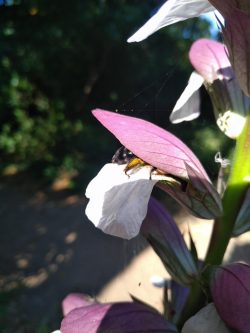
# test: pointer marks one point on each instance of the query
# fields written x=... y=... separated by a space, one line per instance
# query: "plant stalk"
x=238 y=183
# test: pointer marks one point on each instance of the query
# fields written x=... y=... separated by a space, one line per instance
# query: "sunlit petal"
x=151 y=143
x=170 y=12
x=188 y=105
x=210 y=60
x=118 y=202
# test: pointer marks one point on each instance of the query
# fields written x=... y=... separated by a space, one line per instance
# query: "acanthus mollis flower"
x=236 y=17
x=230 y=288
x=230 y=104
x=123 y=317
x=119 y=194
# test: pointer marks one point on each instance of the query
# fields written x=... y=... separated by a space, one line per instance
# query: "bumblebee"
x=125 y=156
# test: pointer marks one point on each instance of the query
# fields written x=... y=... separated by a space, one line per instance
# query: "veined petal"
x=118 y=317
x=236 y=35
x=200 y=197
x=152 y=144
x=210 y=60
x=162 y=233
x=118 y=202
x=170 y=12
x=230 y=288
x=188 y=105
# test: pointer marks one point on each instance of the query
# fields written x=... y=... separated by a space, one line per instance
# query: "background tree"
x=60 y=59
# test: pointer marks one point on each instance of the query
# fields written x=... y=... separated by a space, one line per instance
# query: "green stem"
x=194 y=303
x=238 y=182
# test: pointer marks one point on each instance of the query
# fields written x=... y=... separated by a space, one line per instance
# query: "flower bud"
x=230 y=288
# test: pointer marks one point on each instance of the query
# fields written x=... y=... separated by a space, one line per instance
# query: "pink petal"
x=117 y=317
x=151 y=143
x=74 y=301
x=200 y=196
x=210 y=59
x=231 y=294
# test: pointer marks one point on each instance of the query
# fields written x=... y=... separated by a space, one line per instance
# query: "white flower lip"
x=118 y=201
x=187 y=106
x=231 y=123
x=170 y=12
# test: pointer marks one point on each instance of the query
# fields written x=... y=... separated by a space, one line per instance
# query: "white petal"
x=171 y=12
x=118 y=202
x=206 y=320
x=188 y=105
x=231 y=123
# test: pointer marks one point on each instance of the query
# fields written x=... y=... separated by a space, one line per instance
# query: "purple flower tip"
x=118 y=317
x=231 y=294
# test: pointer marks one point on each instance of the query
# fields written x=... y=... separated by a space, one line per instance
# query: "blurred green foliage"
x=60 y=59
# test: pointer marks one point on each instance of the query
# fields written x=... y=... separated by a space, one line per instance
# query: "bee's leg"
x=134 y=163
